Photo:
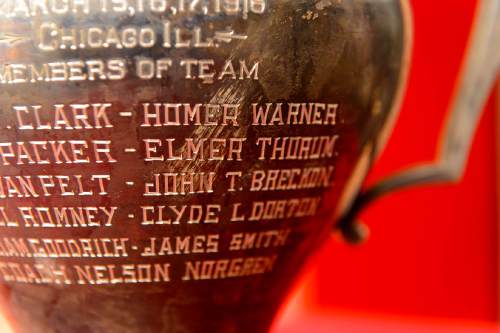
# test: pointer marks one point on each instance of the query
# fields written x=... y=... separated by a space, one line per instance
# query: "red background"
x=433 y=250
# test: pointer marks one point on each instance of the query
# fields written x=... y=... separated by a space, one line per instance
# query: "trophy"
x=169 y=165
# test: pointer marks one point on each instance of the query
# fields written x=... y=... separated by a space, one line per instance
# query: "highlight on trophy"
x=171 y=165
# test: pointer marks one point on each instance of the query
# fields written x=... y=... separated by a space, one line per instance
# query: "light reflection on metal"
x=11 y=39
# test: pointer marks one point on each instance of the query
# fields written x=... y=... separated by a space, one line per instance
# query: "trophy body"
x=168 y=166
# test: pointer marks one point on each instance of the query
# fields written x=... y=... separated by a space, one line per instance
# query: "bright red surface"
x=303 y=317
x=433 y=250
x=362 y=323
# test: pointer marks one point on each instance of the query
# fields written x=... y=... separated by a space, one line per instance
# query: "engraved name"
x=53 y=185
x=168 y=184
x=64 y=248
x=187 y=114
x=85 y=274
x=281 y=114
x=56 y=152
x=228 y=268
x=120 y=274
x=292 y=179
x=269 y=210
x=195 y=244
x=259 y=240
x=199 y=149
x=174 y=215
x=297 y=148
x=63 y=117
x=58 y=217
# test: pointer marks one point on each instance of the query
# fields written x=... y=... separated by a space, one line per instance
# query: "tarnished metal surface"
x=170 y=165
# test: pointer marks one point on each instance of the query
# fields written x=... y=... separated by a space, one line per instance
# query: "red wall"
x=433 y=249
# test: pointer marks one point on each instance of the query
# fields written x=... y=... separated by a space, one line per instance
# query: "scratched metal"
x=345 y=52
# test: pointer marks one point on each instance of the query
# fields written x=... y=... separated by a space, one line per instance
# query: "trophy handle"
x=479 y=72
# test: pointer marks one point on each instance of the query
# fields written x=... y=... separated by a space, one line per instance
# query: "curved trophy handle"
x=479 y=73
